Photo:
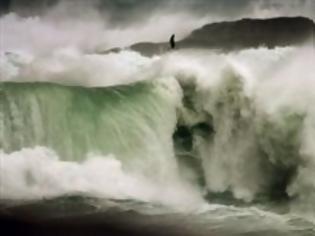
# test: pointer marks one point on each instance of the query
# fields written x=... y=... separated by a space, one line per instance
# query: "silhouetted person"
x=172 y=41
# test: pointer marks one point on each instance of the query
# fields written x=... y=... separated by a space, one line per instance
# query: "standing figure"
x=172 y=41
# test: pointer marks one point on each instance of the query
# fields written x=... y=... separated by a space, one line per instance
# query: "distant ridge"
x=240 y=34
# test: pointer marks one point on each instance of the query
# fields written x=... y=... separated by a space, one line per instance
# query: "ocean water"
x=192 y=142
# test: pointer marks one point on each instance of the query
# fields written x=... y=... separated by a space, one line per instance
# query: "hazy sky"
x=127 y=11
x=109 y=23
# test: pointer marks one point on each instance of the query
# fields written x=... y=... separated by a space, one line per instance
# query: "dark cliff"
x=248 y=33
x=241 y=34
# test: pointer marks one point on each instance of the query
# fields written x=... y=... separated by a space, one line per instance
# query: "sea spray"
x=248 y=126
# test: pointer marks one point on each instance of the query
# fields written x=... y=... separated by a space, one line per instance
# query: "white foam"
x=39 y=173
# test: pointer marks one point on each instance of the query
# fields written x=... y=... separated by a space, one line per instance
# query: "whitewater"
x=224 y=139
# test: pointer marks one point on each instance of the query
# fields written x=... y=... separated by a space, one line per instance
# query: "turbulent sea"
x=192 y=142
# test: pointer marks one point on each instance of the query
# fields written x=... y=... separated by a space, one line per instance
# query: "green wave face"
x=134 y=121
x=144 y=128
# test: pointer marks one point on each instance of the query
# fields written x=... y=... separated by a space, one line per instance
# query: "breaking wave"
x=181 y=127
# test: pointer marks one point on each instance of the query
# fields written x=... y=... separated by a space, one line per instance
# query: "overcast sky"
x=123 y=22
x=128 y=11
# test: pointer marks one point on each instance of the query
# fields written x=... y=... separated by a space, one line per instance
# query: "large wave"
x=189 y=122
